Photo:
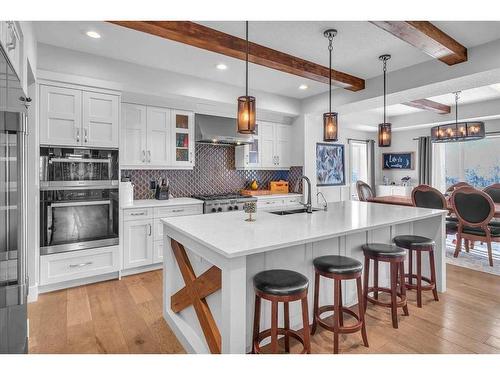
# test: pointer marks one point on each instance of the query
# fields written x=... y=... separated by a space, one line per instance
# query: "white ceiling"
x=356 y=49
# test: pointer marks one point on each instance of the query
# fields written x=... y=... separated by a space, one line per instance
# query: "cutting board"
x=255 y=192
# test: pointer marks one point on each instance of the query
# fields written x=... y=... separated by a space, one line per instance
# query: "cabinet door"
x=60 y=116
x=159 y=134
x=249 y=156
x=158 y=252
x=182 y=139
x=100 y=119
x=268 y=153
x=133 y=135
x=283 y=144
x=137 y=243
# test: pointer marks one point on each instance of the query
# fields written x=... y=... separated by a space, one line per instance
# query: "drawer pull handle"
x=80 y=265
x=150 y=230
x=178 y=210
x=137 y=214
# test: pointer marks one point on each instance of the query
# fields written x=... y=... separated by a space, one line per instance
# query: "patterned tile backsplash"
x=214 y=173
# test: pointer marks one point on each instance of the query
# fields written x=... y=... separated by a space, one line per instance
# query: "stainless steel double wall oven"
x=78 y=199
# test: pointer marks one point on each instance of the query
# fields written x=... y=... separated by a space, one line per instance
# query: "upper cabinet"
x=70 y=116
x=271 y=148
x=156 y=137
x=10 y=38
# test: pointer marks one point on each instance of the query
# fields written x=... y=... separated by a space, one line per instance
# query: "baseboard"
x=150 y=267
x=78 y=282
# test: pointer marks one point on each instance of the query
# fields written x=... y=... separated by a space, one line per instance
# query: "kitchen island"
x=210 y=260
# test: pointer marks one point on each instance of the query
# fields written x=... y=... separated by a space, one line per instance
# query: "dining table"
x=403 y=200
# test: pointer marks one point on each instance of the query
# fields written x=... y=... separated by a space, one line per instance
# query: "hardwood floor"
x=126 y=317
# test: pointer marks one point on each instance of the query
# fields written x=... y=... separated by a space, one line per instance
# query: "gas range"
x=223 y=202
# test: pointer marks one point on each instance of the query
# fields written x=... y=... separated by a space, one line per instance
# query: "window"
x=358 y=162
x=475 y=162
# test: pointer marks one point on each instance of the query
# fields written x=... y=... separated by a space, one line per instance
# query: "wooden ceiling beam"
x=430 y=105
x=212 y=40
x=428 y=38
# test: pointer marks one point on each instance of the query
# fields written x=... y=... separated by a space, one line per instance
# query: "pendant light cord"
x=457 y=96
x=330 y=49
x=246 y=60
x=385 y=71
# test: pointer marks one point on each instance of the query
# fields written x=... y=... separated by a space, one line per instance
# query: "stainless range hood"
x=219 y=130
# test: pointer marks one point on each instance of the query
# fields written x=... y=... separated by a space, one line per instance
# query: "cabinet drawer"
x=137 y=214
x=160 y=212
x=292 y=200
x=269 y=203
x=56 y=268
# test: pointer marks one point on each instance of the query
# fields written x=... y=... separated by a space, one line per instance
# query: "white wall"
x=313 y=133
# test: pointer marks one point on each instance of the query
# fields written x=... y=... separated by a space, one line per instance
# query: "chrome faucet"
x=325 y=206
x=308 y=205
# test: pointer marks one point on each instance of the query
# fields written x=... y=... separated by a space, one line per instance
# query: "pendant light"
x=330 y=119
x=246 y=103
x=458 y=131
x=384 y=129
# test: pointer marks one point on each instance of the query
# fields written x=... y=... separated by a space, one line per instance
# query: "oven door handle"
x=79 y=203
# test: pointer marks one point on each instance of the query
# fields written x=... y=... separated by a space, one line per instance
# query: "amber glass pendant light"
x=330 y=119
x=384 y=129
x=246 y=103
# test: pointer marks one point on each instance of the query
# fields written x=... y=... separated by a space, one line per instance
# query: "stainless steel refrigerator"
x=13 y=214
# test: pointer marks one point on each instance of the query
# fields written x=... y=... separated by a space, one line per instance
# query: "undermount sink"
x=290 y=212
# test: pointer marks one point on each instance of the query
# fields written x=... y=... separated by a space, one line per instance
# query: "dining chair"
x=364 y=191
x=494 y=192
x=474 y=209
x=453 y=187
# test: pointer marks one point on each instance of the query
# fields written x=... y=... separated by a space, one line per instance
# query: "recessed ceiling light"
x=221 y=66
x=93 y=34
x=303 y=87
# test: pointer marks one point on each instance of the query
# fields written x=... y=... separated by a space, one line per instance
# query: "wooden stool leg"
x=336 y=313
x=433 y=275
x=341 y=314
x=274 y=327
x=366 y=277
x=490 y=252
x=361 y=311
x=458 y=246
x=256 y=323
x=419 y=278
x=375 y=278
x=286 y=319
x=410 y=267
x=316 y=302
x=403 y=286
x=305 y=322
x=394 y=295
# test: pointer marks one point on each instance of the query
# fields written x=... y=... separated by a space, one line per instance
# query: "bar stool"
x=419 y=244
x=395 y=256
x=338 y=268
x=280 y=286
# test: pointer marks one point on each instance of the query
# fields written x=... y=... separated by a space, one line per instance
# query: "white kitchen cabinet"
x=276 y=146
x=249 y=156
x=156 y=137
x=60 y=116
x=100 y=119
x=11 y=41
x=277 y=202
x=72 y=116
x=182 y=139
x=137 y=243
x=133 y=135
x=385 y=190
x=159 y=129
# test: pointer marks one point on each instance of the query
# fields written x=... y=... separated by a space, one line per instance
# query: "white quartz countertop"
x=277 y=196
x=230 y=235
x=143 y=203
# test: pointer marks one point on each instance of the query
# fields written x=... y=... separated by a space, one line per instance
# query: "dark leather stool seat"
x=383 y=250
x=280 y=282
x=407 y=241
x=337 y=264
x=280 y=286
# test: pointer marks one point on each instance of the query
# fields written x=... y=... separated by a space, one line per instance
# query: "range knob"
x=230 y=208
x=236 y=208
x=214 y=210
x=219 y=209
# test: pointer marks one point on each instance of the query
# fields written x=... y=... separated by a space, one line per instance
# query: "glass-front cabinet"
x=183 y=138
x=248 y=156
